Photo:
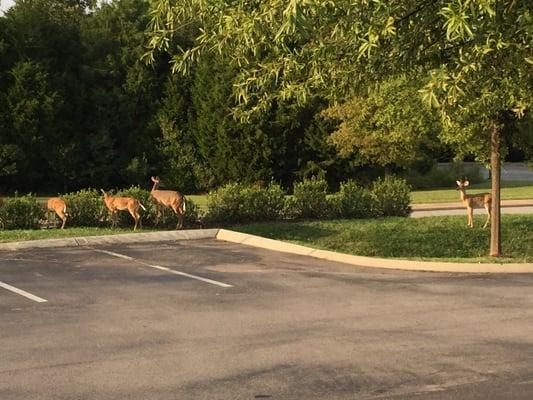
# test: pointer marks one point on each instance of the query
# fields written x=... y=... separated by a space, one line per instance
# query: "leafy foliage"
x=21 y=212
x=310 y=198
x=389 y=126
x=391 y=197
x=235 y=203
x=352 y=201
x=85 y=208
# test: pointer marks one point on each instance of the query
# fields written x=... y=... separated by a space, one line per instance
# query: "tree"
x=388 y=126
x=475 y=54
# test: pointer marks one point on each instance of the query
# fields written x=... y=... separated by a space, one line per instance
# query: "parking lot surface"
x=205 y=319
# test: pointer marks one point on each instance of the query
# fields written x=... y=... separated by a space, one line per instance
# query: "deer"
x=115 y=204
x=57 y=205
x=474 y=200
x=168 y=198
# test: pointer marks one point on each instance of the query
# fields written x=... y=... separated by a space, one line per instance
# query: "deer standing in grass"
x=115 y=204
x=168 y=198
x=58 y=206
x=474 y=200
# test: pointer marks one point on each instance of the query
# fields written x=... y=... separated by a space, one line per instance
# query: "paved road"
x=123 y=322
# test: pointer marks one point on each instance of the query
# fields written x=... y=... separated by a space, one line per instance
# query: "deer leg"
x=63 y=218
x=471 y=217
x=114 y=218
x=157 y=213
x=179 y=213
x=180 y=221
x=487 y=207
x=137 y=217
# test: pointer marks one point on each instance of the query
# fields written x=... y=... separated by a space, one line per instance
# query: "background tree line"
x=79 y=108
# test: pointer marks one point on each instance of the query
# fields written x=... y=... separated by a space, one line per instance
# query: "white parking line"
x=172 y=271
x=22 y=293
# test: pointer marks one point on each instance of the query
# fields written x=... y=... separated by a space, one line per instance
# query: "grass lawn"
x=511 y=190
x=433 y=238
x=34 y=234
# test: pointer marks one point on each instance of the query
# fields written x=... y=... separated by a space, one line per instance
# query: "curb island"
x=275 y=245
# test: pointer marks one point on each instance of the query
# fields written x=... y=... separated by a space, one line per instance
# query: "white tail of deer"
x=474 y=200
x=58 y=206
x=115 y=204
x=168 y=198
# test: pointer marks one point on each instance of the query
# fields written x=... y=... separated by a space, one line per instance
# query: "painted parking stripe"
x=166 y=269
x=22 y=293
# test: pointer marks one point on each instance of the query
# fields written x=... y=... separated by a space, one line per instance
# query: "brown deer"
x=168 y=198
x=474 y=200
x=115 y=204
x=59 y=206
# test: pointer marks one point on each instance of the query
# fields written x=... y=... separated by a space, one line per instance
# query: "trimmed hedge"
x=85 y=208
x=310 y=199
x=21 y=212
x=353 y=201
x=236 y=203
x=391 y=197
x=231 y=204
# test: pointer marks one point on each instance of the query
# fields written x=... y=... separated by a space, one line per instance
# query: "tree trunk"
x=495 y=239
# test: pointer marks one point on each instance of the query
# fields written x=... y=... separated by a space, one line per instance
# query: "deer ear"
x=102 y=190
x=467 y=183
x=152 y=178
x=458 y=183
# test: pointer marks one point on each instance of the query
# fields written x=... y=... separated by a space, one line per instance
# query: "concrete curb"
x=113 y=239
x=270 y=244
x=428 y=266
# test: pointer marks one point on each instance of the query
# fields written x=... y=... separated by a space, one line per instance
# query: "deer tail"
x=184 y=201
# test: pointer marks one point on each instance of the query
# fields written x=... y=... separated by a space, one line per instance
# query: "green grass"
x=199 y=199
x=34 y=234
x=511 y=190
x=432 y=238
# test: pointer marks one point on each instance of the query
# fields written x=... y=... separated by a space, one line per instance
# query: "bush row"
x=86 y=208
x=230 y=204
x=235 y=203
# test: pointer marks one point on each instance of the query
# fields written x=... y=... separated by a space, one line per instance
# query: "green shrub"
x=261 y=204
x=224 y=204
x=310 y=199
x=21 y=212
x=236 y=203
x=85 y=208
x=352 y=201
x=391 y=197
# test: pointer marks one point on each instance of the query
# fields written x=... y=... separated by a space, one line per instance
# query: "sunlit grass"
x=34 y=234
x=433 y=238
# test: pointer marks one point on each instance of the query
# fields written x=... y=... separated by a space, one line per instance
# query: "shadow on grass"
x=292 y=231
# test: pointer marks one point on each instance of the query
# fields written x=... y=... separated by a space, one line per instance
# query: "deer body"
x=58 y=206
x=115 y=204
x=472 y=201
x=168 y=198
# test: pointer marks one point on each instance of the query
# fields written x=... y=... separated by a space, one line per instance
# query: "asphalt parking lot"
x=206 y=319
